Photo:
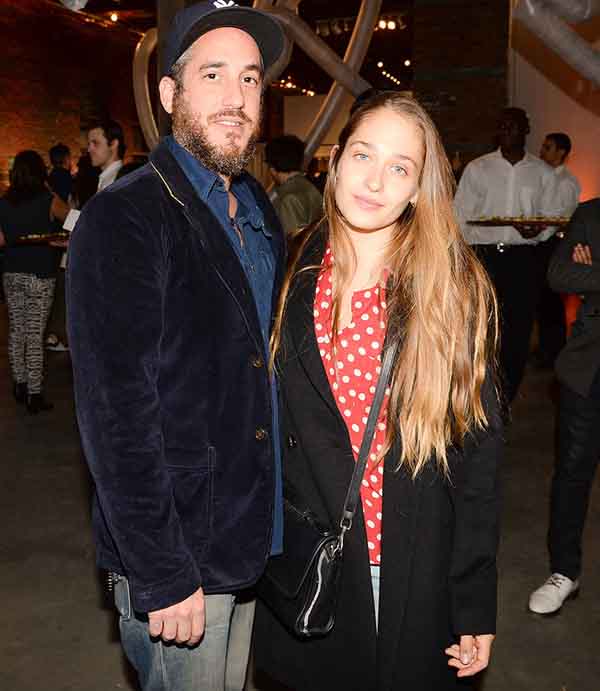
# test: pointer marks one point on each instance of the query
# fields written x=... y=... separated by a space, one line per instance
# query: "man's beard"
x=228 y=160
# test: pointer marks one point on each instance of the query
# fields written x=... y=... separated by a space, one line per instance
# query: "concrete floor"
x=61 y=634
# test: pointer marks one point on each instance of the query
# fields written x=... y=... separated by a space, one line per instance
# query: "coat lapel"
x=299 y=323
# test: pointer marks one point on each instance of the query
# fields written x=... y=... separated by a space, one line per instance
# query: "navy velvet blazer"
x=172 y=391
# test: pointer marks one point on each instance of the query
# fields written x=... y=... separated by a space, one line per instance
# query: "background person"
x=297 y=202
x=106 y=147
x=28 y=207
x=60 y=179
x=550 y=312
x=574 y=268
x=419 y=576
x=510 y=182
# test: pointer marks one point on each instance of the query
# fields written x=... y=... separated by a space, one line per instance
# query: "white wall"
x=551 y=110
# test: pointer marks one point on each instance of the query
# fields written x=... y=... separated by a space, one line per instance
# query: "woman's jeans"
x=217 y=663
x=375 y=575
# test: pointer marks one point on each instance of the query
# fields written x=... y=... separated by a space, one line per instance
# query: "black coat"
x=171 y=386
x=439 y=539
x=579 y=361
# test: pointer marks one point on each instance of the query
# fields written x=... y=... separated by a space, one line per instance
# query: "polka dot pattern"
x=357 y=365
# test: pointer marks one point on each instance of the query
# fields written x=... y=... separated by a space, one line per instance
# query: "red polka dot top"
x=353 y=369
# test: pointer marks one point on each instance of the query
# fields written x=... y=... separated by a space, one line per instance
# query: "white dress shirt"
x=567 y=193
x=492 y=186
x=109 y=174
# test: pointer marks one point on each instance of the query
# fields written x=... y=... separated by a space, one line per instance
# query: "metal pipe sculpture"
x=545 y=19
x=345 y=73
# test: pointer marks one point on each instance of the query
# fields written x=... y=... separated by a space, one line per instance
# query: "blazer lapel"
x=211 y=236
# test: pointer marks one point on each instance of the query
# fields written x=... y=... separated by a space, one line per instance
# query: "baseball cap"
x=192 y=22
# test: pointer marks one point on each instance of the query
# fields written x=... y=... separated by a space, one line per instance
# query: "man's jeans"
x=217 y=663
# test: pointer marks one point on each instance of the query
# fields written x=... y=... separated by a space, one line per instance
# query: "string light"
x=289 y=85
x=338 y=25
x=114 y=17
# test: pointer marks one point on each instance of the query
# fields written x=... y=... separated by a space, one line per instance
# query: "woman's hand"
x=472 y=655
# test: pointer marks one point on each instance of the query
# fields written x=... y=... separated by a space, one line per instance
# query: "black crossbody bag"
x=301 y=585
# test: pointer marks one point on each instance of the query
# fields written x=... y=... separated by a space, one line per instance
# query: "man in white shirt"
x=550 y=313
x=106 y=146
x=510 y=182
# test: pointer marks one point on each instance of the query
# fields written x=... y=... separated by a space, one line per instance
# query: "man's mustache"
x=233 y=113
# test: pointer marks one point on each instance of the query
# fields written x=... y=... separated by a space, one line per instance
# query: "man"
x=550 y=313
x=298 y=202
x=60 y=182
x=60 y=179
x=575 y=268
x=509 y=182
x=106 y=146
x=174 y=273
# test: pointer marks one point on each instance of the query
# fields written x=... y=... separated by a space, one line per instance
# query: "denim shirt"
x=257 y=260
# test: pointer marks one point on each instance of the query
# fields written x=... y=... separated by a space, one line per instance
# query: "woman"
x=29 y=273
x=388 y=262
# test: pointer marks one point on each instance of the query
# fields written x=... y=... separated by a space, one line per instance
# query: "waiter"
x=510 y=182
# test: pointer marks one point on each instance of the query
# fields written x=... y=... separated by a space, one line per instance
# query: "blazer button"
x=261 y=434
x=257 y=361
x=292 y=442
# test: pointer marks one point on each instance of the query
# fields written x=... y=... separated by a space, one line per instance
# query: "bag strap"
x=361 y=463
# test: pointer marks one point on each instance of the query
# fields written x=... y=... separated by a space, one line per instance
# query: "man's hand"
x=582 y=254
x=182 y=622
x=472 y=655
x=528 y=231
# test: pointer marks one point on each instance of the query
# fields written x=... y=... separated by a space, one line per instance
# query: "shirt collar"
x=206 y=181
x=527 y=158
x=110 y=171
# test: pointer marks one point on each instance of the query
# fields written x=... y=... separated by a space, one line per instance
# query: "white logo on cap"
x=224 y=3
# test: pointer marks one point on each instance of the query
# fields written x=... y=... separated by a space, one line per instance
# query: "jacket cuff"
x=149 y=598
x=474 y=608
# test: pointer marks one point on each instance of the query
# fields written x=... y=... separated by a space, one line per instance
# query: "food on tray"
x=41 y=238
x=526 y=220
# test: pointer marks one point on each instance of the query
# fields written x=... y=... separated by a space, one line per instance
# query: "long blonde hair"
x=440 y=303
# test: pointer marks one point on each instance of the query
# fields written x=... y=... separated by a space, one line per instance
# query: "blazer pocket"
x=193 y=494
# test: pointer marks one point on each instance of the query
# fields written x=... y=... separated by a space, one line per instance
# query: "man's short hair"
x=520 y=116
x=285 y=153
x=59 y=154
x=561 y=141
x=112 y=130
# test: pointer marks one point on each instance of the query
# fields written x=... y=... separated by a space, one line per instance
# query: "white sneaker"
x=549 y=598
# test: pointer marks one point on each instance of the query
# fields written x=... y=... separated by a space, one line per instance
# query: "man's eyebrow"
x=370 y=146
x=253 y=67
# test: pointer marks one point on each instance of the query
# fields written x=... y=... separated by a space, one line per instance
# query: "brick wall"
x=58 y=73
x=461 y=69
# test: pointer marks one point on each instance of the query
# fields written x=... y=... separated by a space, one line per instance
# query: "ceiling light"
x=114 y=17
x=407 y=63
x=391 y=25
x=380 y=64
x=382 y=24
